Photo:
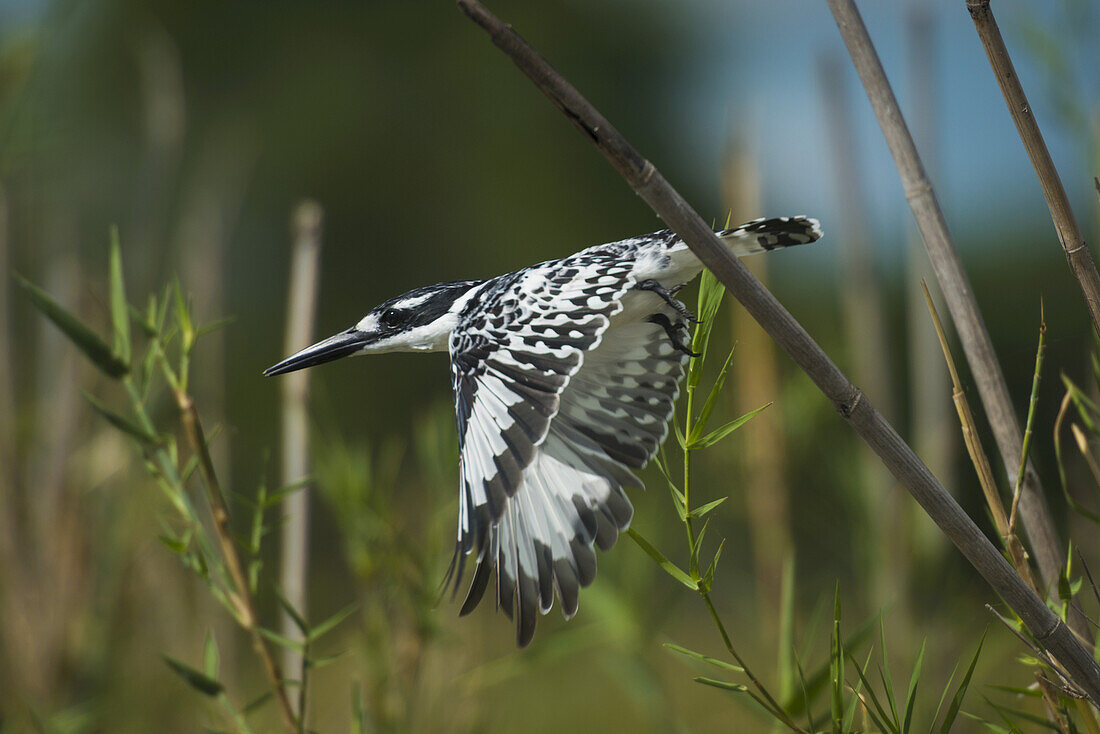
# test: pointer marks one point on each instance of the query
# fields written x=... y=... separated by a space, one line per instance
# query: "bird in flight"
x=565 y=376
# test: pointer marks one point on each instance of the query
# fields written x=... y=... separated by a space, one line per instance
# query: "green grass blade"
x=85 y=339
x=785 y=668
x=911 y=696
x=887 y=678
x=702 y=510
x=877 y=712
x=836 y=667
x=120 y=309
x=956 y=701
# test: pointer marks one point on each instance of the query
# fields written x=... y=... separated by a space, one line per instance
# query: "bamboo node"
x=918 y=191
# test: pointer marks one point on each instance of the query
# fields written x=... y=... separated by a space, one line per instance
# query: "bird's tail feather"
x=764 y=235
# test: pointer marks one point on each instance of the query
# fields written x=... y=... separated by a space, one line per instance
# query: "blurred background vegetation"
x=198 y=127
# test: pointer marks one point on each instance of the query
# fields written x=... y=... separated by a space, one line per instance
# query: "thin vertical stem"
x=301 y=306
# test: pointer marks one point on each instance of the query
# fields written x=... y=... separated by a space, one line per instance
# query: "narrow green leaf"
x=719 y=433
x=257 y=702
x=724 y=685
x=877 y=710
x=85 y=339
x=120 y=309
x=679 y=435
x=358 y=712
x=887 y=679
x=956 y=701
x=836 y=660
x=678 y=502
x=326 y=626
x=214 y=326
x=183 y=319
x=995 y=728
x=785 y=668
x=122 y=423
x=670 y=568
x=708 y=578
x=711 y=401
x=175 y=545
x=210 y=658
x=199 y=681
x=281 y=641
x=704 y=658
x=299 y=621
x=1085 y=407
x=323 y=660
x=850 y=714
x=911 y=696
x=704 y=509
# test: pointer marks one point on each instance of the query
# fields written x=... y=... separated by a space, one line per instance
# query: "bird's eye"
x=391 y=317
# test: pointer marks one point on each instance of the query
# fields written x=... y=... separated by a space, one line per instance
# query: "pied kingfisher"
x=565 y=376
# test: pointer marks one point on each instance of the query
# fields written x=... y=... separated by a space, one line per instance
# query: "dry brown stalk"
x=240 y=595
x=1005 y=526
x=1065 y=223
x=849 y=401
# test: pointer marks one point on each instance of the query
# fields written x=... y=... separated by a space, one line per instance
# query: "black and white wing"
x=554 y=407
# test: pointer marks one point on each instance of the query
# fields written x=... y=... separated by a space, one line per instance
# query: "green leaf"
x=956 y=701
x=176 y=545
x=708 y=577
x=323 y=660
x=183 y=320
x=723 y=684
x=704 y=658
x=836 y=672
x=711 y=401
x=358 y=711
x=122 y=423
x=911 y=696
x=299 y=621
x=85 y=339
x=850 y=714
x=281 y=641
x=257 y=702
x=120 y=309
x=670 y=568
x=1085 y=407
x=326 y=626
x=704 y=509
x=210 y=658
x=878 y=712
x=199 y=681
x=719 y=433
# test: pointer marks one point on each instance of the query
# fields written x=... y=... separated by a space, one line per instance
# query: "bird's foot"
x=668 y=295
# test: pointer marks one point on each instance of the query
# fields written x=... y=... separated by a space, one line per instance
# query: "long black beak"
x=343 y=344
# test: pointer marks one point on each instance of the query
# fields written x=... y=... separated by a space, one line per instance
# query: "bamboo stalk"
x=301 y=306
x=955 y=286
x=1065 y=223
x=849 y=401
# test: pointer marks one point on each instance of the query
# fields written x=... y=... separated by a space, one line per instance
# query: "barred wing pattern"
x=554 y=407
